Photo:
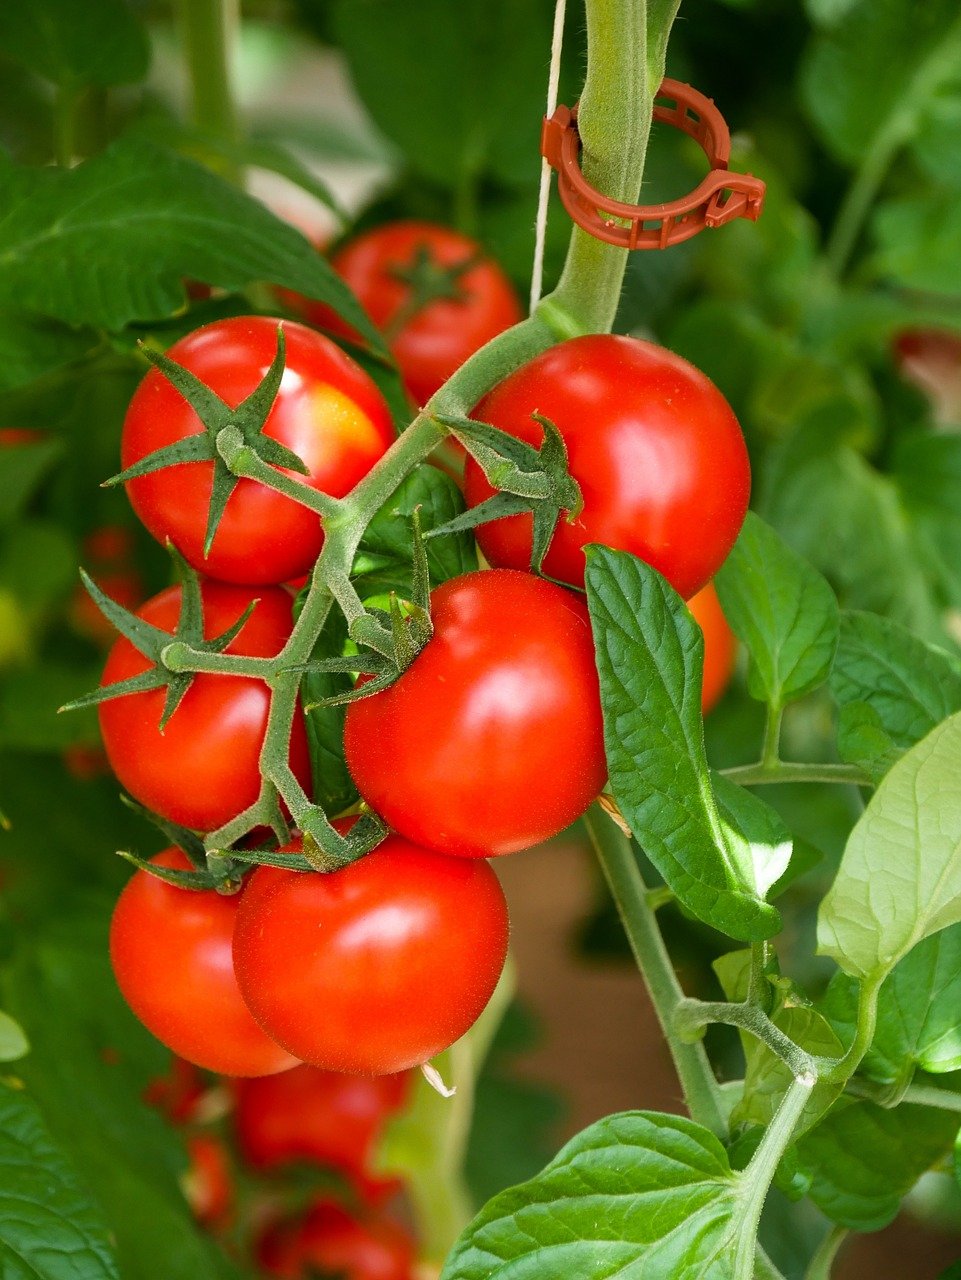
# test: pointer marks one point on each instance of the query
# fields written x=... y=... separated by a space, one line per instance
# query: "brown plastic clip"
x=721 y=197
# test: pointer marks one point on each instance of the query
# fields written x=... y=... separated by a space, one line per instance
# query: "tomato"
x=330 y=1241
x=12 y=437
x=720 y=646
x=374 y=968
x=439 y=336
x=203 y=769
x=322 y=1117
x=208 y=1184
x=171 y=954
x=492 y=740
x=328 y=411
x=654 y=446
x=178 y=1094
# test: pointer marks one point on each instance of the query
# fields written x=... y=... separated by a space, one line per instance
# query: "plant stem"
x=759 y=1173
x=761 y=774
x=208 y=31
x=691 y=1015
x=771 y=746
x=918 y=1095
x=867 y=1018
x=616 y=856
x=820 y=1265
x=65 y=125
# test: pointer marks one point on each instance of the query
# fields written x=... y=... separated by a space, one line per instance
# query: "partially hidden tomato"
x=492 y=740
x=108 y=553
x=432 y=340
x=327 y=411
x=376 y=967
x=329 y=1240
x=208 y=1184
x=178 y=1095
x=171 y=954
x=720 y=645
x=655 y=447
x=203 y=769
x=319 y=1117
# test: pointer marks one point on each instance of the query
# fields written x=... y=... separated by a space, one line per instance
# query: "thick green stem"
x=771 y=747
x=619 y=864
x=761 y=774
x=918 y=1095
x=867 y=1018
x=693 y=1015
x=821 y=1264
x=208 y=30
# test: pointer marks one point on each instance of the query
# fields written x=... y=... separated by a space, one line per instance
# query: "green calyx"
x=427 y=281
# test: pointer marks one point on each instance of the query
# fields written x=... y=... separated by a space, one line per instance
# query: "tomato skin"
x=208 y=1184
x=204 y=768
x=329 y=1240
x=323 y=1117
x=374 y=968
x=171 y=954
x=328 y=411
x=720 y=645
x=442 y=334
x=655 y=447
x=492 y=740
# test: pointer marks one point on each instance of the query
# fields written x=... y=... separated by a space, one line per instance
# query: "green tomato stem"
x=208 y=30
x=692 y=1015
x=820 y=1266
x=919 y=1095
x=867 y=1017
x=762 y=774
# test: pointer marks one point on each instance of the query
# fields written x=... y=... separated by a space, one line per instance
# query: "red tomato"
x=322 y=1117
x=492 y=740
x=330 y=1241
x=124 y=586
x=655 y=447
x=720 y=646
x=208 y=1184
x=328 y=411
x=204 y=768
x=443 y=333
x=85 y=761
x=374 y=968
x=171 y=954
x=178 y=1094
x=11 y=437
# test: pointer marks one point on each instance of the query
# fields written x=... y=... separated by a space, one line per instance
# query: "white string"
x=540 y=230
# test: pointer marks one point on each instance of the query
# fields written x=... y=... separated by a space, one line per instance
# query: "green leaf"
x=112 y=241
x=862 y=1159
x=461 y=99
x=50 y=1228
x=919 y=1011
x=852 y=65
x=898 y=687
x=22 y=467
x=927 y=467
x=75 y=43
x=755 y=831
x=13 y=1043
x=31 y=346
x=918 y=241
x=900 y=876
x=782 y=609
x=334 y=788
x=650 y=655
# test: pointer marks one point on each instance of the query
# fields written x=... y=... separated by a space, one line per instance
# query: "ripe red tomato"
x=204 y=768
x=171 y=955
x=374 y=968
x=720 y=646
x=492 y=740
x=655 y=447
x=328 y=411
x=439 y=337
x=330 y=1241
x=322 y=1117
x=208 y=1184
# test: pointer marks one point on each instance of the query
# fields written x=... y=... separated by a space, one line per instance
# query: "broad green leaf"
x=460 y=99
x=38 y=562
x=782 y=609
x=862 y=1159
x=892 y=54
x=75 y=43
x=863 y=740
x=825 y=13
x=918 y=241
x=31 y=346
x=919 y=1011
x=755 y=831
x=897 y=686
x=650 y=654
x=22 y=467
x=13 y=1042
x=386 y=551
x=112 y=241
x=900 y=877
x=50 y=1227
x=927 y=467
x=334 y=788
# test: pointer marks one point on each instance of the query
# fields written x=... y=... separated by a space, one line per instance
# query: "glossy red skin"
x=444 y=333
x=204 y=768
x=262 y=537
x=655 y=447
x=171 y=954
x=329 y=1240
x=374 y=968
x=320 y=1117
x=492 y=740
x=720 y=645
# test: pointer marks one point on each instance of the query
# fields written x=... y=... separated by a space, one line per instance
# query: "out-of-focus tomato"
x=328 y=1240
x=720 y=645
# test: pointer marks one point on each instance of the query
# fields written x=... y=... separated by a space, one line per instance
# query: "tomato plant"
x=654 y=446
x=202 y=767
x=329 y=1240
x=171 y=954
x=328 y=412
x=374 y=968
x=491 y=741
x=435 y=294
